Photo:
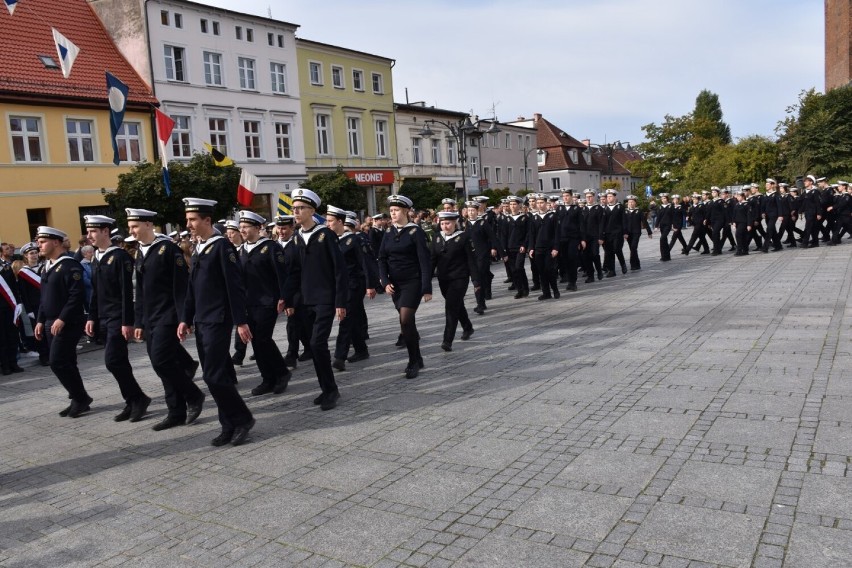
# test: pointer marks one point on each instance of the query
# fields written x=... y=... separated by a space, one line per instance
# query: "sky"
x=597 y=69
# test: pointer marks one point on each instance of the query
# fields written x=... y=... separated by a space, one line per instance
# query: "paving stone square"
x=607 y=467
x=726 y=482
x=503 y=552
x=753 y=433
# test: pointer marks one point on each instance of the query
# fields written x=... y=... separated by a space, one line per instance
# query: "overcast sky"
x=598 y=69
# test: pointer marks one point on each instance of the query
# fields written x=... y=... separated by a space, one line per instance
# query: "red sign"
x=371 y=177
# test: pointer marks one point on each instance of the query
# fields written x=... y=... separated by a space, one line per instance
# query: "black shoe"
x=330 y=400
x=193 y=369
x=535 y=288
x=306 y=356
x=467 y=333
x=261 y=389
x=610 y=274
x=696 y=248
x=223 y=438
x=804 y=245
x=193 y=411
x=507 y=281
x=16 y=369
x=400 y=341
x=64 y=412
x=518 y=296
x=706 y=252
x=479 y=310
x=139 y=407
x=411 y=371
x=166 y=423
x=792 y=245
x=600 y=274
x=685 y=252
x=282 y=382
x=732 y=249
x=590 y=280
x=624 y=270
x=446 y=346
x=544 y=297
x=291 y=362
x=241 y=433
x=512 y=288
x=665 y=259
x=556 y=294
x=714 y=253
x=78 y=408
x=43 y=360
x=318 y=400
x=339 y=364
x=776 y=249
x=123 y=415
x=765 y=250
x=237 y=360
x=362 y=356
x=571 y=288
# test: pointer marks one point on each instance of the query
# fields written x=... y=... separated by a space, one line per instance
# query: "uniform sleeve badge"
x=76 y=275
x=179 y=261
x=110 y=260
x=232 y=257
x=412 y=231
x=321 y=237
x=348 y=241
x=264 y=249
x=162 y=250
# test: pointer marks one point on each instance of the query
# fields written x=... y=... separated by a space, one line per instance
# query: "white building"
x=508 y=157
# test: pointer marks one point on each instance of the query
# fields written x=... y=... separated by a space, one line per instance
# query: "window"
x=353 y=135
x=26 y=138
x=497 y=175
x=215 y=28
x=474 y=166
x=315 y=70
x=203 y=26
x=251 y=129
x=282 y=140
x=181 y=147
x=521 y=142
x=178 y=21
x=495 y=141
x=278 y=73
x=80 y=143
x=509 y=141
x=249 y=34
x=378 y=84
x=415 y=151
x=486 y=173
x=174 y=63
x=127 y=140
x=322 y=123
x=164 y=17
x=381 y=138
x=213 y=68
x=573 y=154
x=540 y=185
x=280 y=41
x=510 y=175
x=554 y=183
x=527 y=143
x=528 y=175
x=219 y=134
x=451 y=152
x=357 y=79
x=436 y=152
x=337 y=76
x=484 y=142
x=238 y=31
x=246 y=67
x=270 y=37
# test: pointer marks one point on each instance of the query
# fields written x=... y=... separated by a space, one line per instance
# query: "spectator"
x=86 y=253
x=652 y=215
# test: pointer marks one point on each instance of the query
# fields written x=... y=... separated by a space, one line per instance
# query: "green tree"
x=142 y=187
x=707 y=107
x=426 y=193
x=334 y=188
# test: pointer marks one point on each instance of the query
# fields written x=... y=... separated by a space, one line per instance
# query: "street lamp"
x=539 y=154
x=463 y=129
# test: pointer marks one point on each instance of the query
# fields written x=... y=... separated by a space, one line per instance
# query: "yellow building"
x=348 y=115
x=56 y=156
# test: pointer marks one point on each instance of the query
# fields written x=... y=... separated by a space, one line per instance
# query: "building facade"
x=56 y=158
x=348 y=116
x=838 y=43
x=508 y=157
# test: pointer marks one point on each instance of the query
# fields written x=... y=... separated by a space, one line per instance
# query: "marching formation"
x=242 y=275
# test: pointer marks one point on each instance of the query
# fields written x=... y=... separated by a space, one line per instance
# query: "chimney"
x=586 y=142
x=536 y=117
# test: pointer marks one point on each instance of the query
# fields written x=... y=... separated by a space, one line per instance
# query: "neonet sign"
x=371 y=177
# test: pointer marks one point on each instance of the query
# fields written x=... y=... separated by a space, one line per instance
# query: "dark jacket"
x=324 y=279
x=454 y=258
x=62 y=292
x=112 y=287
x=215 y=293
x=162 y=277
x=404 y=255
x=264 y=271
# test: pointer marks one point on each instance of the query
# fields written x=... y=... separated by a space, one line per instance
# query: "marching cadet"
x=454 y=261
x=350 y=329
x=812 y=210
x=796 y=203
x=265 y=280
x=324 y=288
x=515 y=237
x=377 y=233
x=633 y=220
x=60 y=316
x=111 y=313
x=727 y=233
x=405 y=270
x=785 y=231
x=592 y=222
x=232 y=233
x=756 y=202
x=716 y=219
x=681 y=208
x=613 y=234
x=215 y=303
x=298 y=325
x=698 y=218
x=161 y=282
x=571 y=239
x=10 y=310
x=486 y=246
x=843 y=211
x=743 y=219
x=533 y=213
x=665 y=221
x=826 y=198
x=770 y=211
x=29 y=284
x=543 y=246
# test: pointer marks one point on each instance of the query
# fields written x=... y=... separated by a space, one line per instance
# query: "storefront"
x=378 y=185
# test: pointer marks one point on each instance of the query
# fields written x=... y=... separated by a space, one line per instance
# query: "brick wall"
x=838 y=43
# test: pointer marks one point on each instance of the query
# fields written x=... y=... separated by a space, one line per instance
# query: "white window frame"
x=381 y=83
x=509 y=141
x=218 y=129
x=123 y=139
x=452 y=157
x=416 y=152
x=252 y=140
x=474 y=166
x=353 y=136
x=436 y=152
x=212 y=67
x=178 y=19
x=358 y=80
x=172 y=56
x=497 y=172
x=486 y=173
x=555 y=183
x=381 y=126
x=315 y=66
x=79 y=138
x=278 y=77
x=322 y=127
x=248 y=73
x=338 y=82
x=182 y=136
x=510 y=175
x=521 y=142
x=26 y=135
x=282 y=140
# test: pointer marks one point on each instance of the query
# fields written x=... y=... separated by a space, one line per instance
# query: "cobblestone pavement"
x=694 y=414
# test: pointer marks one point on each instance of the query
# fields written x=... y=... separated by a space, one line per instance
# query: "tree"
x=426 y=193
x=334 y=188
x=142 y=187
x=707 y=107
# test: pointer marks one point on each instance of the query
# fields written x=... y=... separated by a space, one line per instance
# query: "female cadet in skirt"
x=405 y=271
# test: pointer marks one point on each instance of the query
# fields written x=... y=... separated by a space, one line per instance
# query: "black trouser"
x=519 y=274
x=613 y=246
x=483 y=267
x=772 y=235
x=117 y=361
x=633 y=245
x=350 y=330
x=298 y=330
x=454 y=310
x=742 y=238
x=716 y=236
x=174 y=366
x=757 y=233
x=9 y=337
x=665 y=249
x=728 y=235
x=678 y=236
x=811 y=233
x=699 y=233
x=536 y=277
x=843 y=224
x=592 y=256
x=63 y=358
x=828 y=225
x=569 y=256
x=270 y=363
x=212 y=341
x=239 y=346
x=546 y=271
x=321 y=318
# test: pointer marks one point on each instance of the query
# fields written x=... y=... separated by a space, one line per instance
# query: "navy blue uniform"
x=454 y=260
x=571 y=234
x=9 y=338
x=613 y=233
x=515 y=235
x=484 y=240
x=633 y=219
x=543 y=239
x=665 y=221
x=298 y=324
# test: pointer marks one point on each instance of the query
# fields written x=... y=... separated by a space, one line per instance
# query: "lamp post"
x=461 y=131
x=539 y=154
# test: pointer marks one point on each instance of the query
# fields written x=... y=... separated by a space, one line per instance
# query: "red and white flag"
x=247 y=189
x=165 y=125
x=9 y=297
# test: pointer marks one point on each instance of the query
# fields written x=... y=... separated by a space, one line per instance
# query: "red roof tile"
x=27 y=34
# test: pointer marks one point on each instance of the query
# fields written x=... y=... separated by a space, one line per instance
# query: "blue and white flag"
x=11 y=5
x=117 y=95
x=67 y=52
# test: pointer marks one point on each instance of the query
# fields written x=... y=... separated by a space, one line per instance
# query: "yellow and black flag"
x=219 y=158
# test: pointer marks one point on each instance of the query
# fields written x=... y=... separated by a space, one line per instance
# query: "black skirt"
x=407 y=294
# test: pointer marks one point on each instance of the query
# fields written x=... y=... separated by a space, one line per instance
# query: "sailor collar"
x=447 y=237
x=250 y=246
x=143 y=249
x=203 y=246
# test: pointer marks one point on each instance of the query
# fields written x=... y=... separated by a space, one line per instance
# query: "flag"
x=9 y=296
x=285 y=204
x=11 y=5
x=247 y=189
x=67 y=52
x=117 y=95
x=219 y=158
x=165 y=125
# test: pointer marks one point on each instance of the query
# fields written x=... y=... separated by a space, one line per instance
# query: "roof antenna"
x=269 y=12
